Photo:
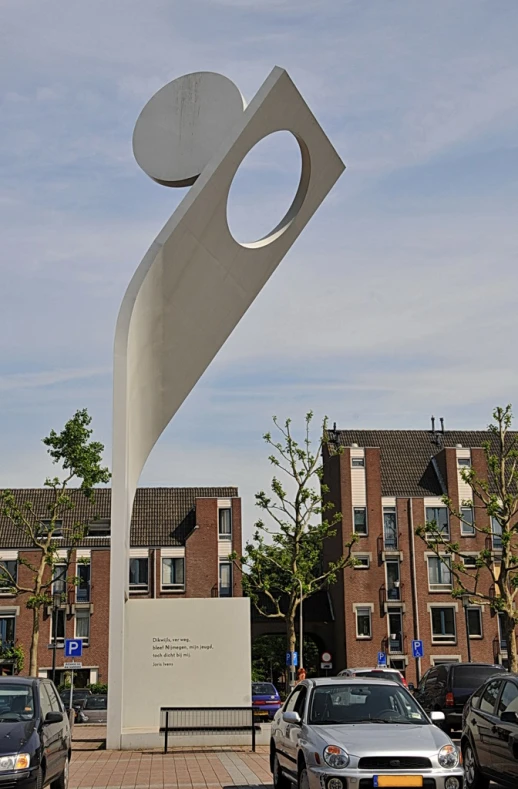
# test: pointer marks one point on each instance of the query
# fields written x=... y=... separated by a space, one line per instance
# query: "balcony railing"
x=394 y=646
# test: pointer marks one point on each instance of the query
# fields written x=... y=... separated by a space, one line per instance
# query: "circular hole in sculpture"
x=264 y=188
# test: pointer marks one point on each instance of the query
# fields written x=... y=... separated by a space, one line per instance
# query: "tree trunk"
x=291 y=644
x=35 y=640
x=510 y=636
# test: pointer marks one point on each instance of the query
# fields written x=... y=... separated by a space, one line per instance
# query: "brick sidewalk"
x=94 y=768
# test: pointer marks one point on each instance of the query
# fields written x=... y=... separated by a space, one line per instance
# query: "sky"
x=397 y=302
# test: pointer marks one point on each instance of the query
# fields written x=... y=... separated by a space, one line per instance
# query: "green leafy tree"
x=80 y=458
x=283 y=564
x=494 y=578
x=269 y=657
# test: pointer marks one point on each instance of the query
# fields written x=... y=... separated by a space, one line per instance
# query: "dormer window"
x=358 y=462
x=100 y=528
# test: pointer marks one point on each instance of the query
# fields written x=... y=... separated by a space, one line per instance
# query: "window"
x=364 y=561
x=439 y=573
x=509 y=699
x=467 y=527
x=139 y=574
x=8 y=571
x=225 y=523
x=59 y=624
x=393 y=582
x=496 y=528
x=83 y=587
x=173 y=573
x=100 y=528
x=470 y=562
x=45 y=525
x=489 y=696
x=475 y=622
x=443 y=625
x=225 y=579
x=7 y=629
x=438 y=516
x=360 y=520
x=395 y=626
x=464 y=462
x=55 y=704
x=296 y=700
x=390 y=528
x=83 y=626
x=501 y=631
x=358 y=462
x=59 y=579
x=363 y=623
x=44 y=701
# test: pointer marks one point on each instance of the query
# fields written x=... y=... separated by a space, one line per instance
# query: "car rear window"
x=263 y=689
x=472 y=676
x=96 y=703
x=378 y=673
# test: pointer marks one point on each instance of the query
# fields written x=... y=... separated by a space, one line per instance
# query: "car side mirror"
x=292 y=717
x=437 y=717
x=53 y=717
x=509 y=717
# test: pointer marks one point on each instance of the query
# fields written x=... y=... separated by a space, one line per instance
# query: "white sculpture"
x=196 y=282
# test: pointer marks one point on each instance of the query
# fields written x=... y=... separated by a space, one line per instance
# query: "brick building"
x=181 y=539
x=385 y=484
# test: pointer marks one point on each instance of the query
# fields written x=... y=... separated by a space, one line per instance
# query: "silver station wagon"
x=360 y=734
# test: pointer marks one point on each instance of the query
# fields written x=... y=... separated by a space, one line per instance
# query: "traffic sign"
x=417 y=649
x=292 y=658
x=73 y=666
x=73 y=647
x=326 y=657
x=326 y=666
x=382 y=658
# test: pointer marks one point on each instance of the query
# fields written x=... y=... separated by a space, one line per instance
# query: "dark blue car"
x=265 y=700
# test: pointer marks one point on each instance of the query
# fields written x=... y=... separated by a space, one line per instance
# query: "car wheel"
x=62 y=781
x=279 y=779
x=303 y=778
x=474 y=778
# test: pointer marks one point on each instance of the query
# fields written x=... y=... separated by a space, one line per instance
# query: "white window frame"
x=387 y=562
x=464 y=462
x=470 y=555
x=363 y=607
x=171 y=587
x=480 y=610
x=8 y=556
x=357 y=461
x=446 y=535
x=366 y=556
x=463 y=526
x=361 y=533
x=441 y=660
x=447 y=639
x=83 y=614
x=225 y=537
x=142 y=554
x=9 y=613
x=438 y=587
x=60 y=642
x=99 y=524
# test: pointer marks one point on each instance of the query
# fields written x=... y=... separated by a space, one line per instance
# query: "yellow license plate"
x=397 y=780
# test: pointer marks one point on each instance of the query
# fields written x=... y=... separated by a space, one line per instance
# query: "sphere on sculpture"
x=184 y=124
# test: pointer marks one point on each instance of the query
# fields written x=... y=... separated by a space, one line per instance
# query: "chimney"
x=442 y=424
x=433 y=425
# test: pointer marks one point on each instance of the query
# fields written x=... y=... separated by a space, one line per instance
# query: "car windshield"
x=263 y=689
x=16 y=702
x=369 y=702
x=96 y=703
x=471 y=677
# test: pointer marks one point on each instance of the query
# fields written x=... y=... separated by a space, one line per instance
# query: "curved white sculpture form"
x=195 y=282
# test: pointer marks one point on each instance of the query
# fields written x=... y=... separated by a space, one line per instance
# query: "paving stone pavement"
x=92 y=767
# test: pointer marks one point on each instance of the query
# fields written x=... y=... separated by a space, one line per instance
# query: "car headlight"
x=19 y=762
x=449 y=756
x=336 y=757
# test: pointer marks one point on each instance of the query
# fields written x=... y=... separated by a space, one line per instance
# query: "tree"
x=496 y=501
x=269 y=657
x=80 y=459
x=283 y=565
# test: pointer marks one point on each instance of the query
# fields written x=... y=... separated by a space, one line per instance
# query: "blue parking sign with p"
x=73 y=647
x=417 y=649
x=382 y=658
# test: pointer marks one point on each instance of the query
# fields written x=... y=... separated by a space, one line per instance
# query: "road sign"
x=382 y=658
x=73 y=666
x=326 y=657
x=73 y=647
x=292 y=658
x=417 y=649
x=326 y=666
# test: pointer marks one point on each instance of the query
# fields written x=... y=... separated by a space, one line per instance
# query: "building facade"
x=385 y=484
x=181 y=539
